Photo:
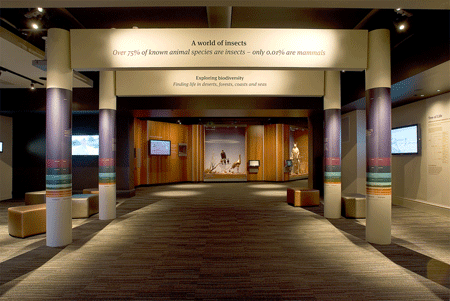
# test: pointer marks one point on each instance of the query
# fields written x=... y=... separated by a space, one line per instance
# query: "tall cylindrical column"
x=332 y=145
x=59 y=139
x=107 y=140
x=378 y=142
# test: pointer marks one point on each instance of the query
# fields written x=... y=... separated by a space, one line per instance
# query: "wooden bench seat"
x=35 y=197
x=28 y=220
x=354 y=205
x=303 y=197
x=84 y=205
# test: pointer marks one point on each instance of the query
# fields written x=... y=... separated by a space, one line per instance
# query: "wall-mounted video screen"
x=1 y=147
x=405 y=140
x=253 y=163
x=288 y=163
x=159 y=147
x=85 y=145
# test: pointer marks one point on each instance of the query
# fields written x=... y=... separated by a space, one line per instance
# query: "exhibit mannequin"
x=295 y=159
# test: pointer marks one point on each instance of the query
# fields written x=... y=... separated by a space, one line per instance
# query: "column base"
x=332 y=200
x=59 y=221
x=107 y=202
x=378 y=219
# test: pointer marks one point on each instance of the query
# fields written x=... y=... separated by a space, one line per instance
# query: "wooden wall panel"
x=255 y=150
x=196 y=153
x=270 y=152
x=276 y=150
x=159 y=169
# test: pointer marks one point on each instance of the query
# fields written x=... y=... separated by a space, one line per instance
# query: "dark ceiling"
x=424 y=43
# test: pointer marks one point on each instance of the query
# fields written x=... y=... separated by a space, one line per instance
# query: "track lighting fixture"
x=32 y=86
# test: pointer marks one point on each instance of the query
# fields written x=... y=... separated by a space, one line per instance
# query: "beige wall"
x=413 y=184
x=6 y=162
x=353 y=152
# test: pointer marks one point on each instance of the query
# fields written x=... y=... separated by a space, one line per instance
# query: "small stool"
x=84 y=205
x=35 y=197
x=303 y=197
x=90 y=191
x=355 y=205
x=28 y=220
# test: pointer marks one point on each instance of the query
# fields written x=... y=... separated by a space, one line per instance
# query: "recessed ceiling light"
x=402 y=26
x=438 y=90
x=35 y=26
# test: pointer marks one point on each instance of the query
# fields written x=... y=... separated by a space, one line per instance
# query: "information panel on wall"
x=100 y=49
x=220 y=82
x=438 y=151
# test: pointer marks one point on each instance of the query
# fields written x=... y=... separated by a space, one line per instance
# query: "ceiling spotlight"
x=401 y=26
x=35 y=26
x=438 y=90
x=40 y=9
x=135 y=27
x=398 y=9
x=32 y=86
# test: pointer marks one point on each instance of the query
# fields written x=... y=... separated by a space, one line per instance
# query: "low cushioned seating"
x=35 y=197
x=84 y=205
x=90 y=191
x=355 y=205
x=303 y=197
x=25 y=221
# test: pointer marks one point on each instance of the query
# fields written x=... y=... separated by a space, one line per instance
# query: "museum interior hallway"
x=227 y=241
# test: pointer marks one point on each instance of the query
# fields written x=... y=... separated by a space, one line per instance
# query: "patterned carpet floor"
x=227 y=241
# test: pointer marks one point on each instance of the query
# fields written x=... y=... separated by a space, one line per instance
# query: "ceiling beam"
x=380 y=4
x=219 y=16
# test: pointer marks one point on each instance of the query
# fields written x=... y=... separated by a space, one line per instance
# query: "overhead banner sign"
x=220 y=82
x=103 y=49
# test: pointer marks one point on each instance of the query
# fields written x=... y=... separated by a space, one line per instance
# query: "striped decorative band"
x=107 y=178
x=59 y=193
x=378 y=191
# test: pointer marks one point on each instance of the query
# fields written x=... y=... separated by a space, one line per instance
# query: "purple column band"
x=59 y=143
x=107 y=151
x=378 y=141
x=332 y=146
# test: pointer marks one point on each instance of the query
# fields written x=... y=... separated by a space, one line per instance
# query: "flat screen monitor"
x=85 y=145
x=1 y=147
x=288 y=163
x=253 y=163
x=405 y=140
x=159 y=147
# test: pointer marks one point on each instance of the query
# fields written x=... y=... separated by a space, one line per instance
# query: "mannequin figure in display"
x=295 y=159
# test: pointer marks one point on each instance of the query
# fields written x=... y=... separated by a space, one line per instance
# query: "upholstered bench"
x=90 y=190
x=354 y=205
x=28 y=220
x=35 y=197
x=84 y=205
x=303 y=197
